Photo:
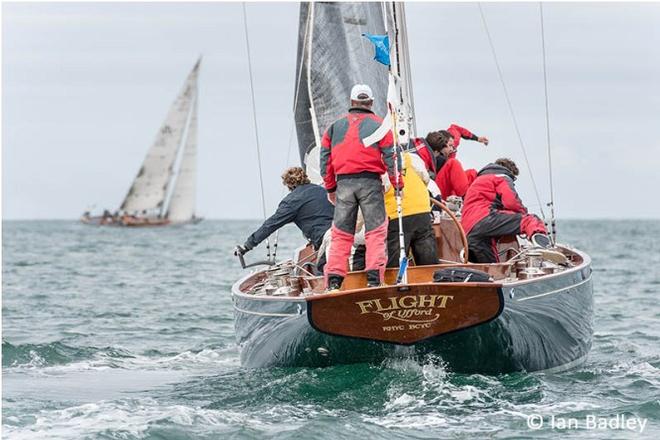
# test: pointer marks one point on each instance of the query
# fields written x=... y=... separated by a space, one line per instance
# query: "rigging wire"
x=293 y=123
x=254 y=117
x=547 y=129
x=513 y=116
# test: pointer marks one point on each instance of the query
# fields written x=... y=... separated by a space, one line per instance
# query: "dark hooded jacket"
x=492 y=190
x=308 y=207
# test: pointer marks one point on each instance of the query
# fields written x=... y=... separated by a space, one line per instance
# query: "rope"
x=254 y=117
x=293 y=125
x=547 y=129
x=513 y=116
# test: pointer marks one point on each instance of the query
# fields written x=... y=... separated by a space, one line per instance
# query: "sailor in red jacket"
x=451 y=178
x=492 y=209
x=351 y=172
x=458 y=133
x=438 y=151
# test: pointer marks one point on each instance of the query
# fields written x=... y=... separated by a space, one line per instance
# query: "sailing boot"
x=541 y=240
x=373 y=278
x=334 y=283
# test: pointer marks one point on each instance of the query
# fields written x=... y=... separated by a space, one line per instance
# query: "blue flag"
x=382 y=46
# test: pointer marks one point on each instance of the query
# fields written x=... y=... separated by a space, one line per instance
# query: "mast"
x=399 y=99
x=403 y=62
x=400 y=71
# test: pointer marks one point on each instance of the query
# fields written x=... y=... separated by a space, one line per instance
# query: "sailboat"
x=533 y=311
x=163 y=191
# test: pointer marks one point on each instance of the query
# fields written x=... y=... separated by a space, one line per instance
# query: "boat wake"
x=144 y=418
x=56 y=357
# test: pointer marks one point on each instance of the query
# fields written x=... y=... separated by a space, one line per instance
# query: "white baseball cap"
x=361 y=92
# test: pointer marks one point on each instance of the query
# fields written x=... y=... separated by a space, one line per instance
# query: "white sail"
x=182 y=202
x=149 y=189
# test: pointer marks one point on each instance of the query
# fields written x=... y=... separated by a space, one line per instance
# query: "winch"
x=279 y=281
x=455 y=204
x=534 y=265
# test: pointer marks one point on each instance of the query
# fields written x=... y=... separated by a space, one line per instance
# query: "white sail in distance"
x=149 y=189
x=182 y=201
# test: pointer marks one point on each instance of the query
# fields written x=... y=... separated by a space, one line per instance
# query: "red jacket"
x=343 y=153
x=492 y=190
x=459 y=133
x=426 y=153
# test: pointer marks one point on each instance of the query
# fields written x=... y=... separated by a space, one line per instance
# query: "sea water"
x=113 y=333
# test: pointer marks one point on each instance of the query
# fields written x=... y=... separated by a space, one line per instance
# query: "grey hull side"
x=546 y=323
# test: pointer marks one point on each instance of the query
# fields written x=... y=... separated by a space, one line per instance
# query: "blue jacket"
x=308 y=207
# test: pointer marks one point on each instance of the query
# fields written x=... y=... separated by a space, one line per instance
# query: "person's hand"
x=483 y=140
x=332 y=197
x=240 y=250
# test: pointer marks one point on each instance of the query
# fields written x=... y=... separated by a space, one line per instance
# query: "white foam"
x=188 y=360
x=409 y=421
x=404 y=401
x=465 y=394
x=36 y=361
x=133 y=418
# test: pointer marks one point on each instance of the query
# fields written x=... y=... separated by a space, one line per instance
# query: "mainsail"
x=150 y=187
x=182 y=201
x=332 y=57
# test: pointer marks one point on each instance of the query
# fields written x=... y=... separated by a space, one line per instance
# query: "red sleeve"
x=459 y=132
x=327 y=170
x=387 y=141
x=387 y=148
x=510 y=199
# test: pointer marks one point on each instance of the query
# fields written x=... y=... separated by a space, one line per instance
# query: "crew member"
x=454 y=179
x=306 y=205
x=418 y=232
x=351 y=173
x=492 y=209
x=450 y=177
x=426 y=153
x=457 y=132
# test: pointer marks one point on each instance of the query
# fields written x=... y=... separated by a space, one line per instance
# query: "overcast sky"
x=85 y=87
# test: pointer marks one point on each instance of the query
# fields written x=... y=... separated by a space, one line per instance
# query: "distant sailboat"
x=163 y=192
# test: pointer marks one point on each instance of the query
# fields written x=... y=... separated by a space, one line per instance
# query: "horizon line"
x=261 y=219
